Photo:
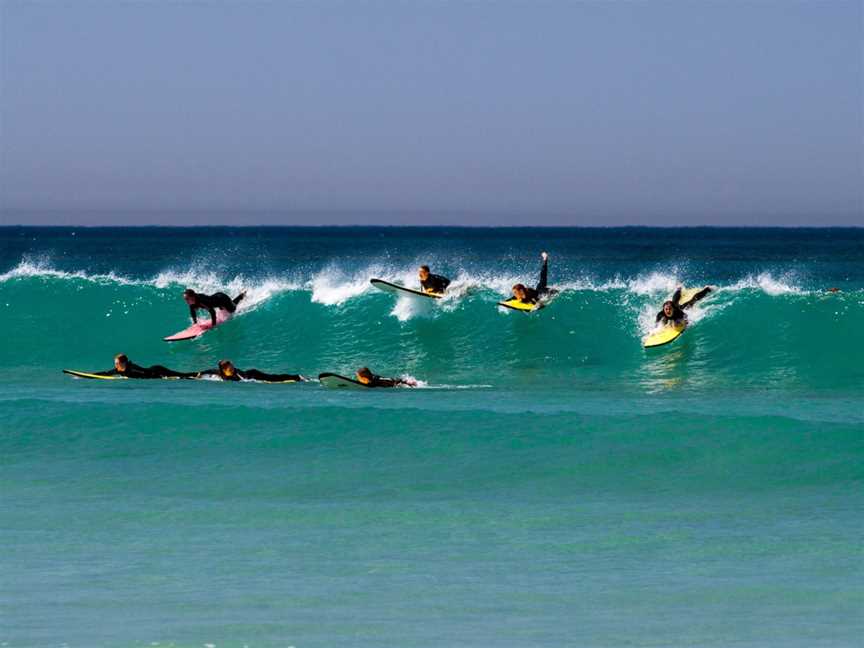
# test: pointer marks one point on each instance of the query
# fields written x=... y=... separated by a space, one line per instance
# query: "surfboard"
x=396 y=289
x=515 y=304
x=333 y=380
x=200 y=328
x=687 y=295
x=84 y=374
x=276 y=382
x=664 y=335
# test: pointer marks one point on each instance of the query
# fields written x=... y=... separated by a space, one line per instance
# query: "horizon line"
x=412 y=226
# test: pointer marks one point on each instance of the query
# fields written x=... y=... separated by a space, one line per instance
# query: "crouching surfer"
x=227 y=371
x=125 y=367
x=527 y=295
x=200 y=301
x=673 y=312
x=432 y=284
x=369 y=379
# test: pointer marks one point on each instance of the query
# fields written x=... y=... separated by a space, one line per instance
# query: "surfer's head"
x=189 y=296
x=120 y=362
x=364 y=375
x=226 y=368
x=668 y=309
x=424 y=272
x=519 y=291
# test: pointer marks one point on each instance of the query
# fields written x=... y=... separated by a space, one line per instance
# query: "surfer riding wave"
x=528 y=295
x=673 y=311
x=210 y=303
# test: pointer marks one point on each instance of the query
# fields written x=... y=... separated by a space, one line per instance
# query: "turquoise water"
x=550 y=482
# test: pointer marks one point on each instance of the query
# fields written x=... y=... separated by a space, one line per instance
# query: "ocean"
x=548 y=483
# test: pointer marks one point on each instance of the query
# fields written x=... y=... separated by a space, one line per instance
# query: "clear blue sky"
x=583 y=113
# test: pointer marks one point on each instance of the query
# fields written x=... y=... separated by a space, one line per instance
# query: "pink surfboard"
x=200 y=328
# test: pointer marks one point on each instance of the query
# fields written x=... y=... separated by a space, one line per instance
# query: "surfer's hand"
x=544 y=255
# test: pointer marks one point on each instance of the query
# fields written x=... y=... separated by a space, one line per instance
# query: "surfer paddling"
x=432 y=284
x=369 y=379
x=227 y=371
x=125 y=367
x=673 y=312
x=527 y=295
x=210 y=303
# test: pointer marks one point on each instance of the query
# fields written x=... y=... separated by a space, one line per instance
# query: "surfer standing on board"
x=532 y=295
x=432 y=283
x=210 y=303
x=673 y=313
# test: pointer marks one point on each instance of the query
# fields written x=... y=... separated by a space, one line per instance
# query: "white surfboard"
x=333 y=380
x=402 y=291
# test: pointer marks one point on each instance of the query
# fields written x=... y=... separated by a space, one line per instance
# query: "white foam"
x=332 y=287
x=39 y=268
x=407 y=308
x=653 y=284
x=257 y=290
x=768 y=284
x=414 y=382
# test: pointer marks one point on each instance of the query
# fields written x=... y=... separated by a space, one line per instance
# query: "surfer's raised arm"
x=544 y=274
x=528 y=295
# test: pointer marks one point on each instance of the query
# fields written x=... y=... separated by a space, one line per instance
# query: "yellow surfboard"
x=664 y=335
x=84 y=374
x=687 y=295
x=515 y=304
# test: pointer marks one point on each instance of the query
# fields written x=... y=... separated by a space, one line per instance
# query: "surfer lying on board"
x=366 y=377
x=532 y=295
x=432 y=283
x=673 y=312
x=210 y=303
x=124 y=367
x=227 y=371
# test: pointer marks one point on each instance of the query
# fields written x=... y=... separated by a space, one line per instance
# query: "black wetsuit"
x=152 y=372
x=435 y=283
x=252 y=374
x=378 y=381
x=211 y=302
x=678 y=314
x=533 y=295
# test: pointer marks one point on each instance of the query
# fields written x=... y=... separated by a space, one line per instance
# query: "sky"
x=471 y=113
